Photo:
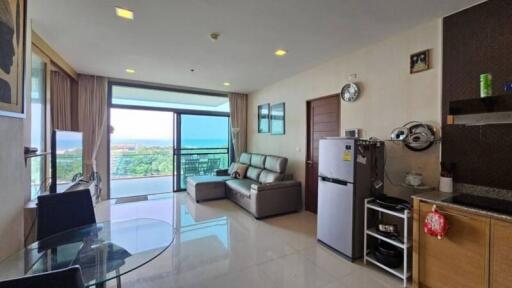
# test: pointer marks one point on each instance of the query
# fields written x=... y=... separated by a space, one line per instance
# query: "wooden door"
x=501 y=254
x=323 y=120
x=461 y=259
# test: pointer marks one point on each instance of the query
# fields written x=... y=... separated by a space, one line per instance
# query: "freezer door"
x=335 y=215
x=336 y=159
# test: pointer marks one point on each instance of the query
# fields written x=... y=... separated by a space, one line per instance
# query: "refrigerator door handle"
x=334 y=181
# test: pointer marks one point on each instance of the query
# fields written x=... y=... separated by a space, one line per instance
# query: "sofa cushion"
x=195 y=180
x=253 y=173
x=240 y=171
x=202 y=188
x=267 y=176
x=258 y=160
x=242 y=186
x=245 y=158
x=276 y=164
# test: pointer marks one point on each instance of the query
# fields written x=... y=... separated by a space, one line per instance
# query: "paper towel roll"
x=446 y=184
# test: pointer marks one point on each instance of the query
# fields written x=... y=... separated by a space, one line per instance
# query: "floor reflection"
x=219 y=245
x=190 y=229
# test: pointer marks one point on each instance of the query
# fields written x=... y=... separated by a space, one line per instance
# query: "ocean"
x=186 y=143
x=71 y=144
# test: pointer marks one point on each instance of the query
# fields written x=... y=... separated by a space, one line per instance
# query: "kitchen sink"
x=482 y=202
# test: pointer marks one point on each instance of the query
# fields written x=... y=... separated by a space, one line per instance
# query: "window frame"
x=176 y=111
x=46 y=126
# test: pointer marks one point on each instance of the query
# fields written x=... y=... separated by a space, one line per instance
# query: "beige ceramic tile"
x=217 y=244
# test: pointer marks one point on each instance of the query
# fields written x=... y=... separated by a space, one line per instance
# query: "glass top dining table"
x=104 y=251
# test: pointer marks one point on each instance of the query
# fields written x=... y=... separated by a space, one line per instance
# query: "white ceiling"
x=165 y=96
x=170 y=37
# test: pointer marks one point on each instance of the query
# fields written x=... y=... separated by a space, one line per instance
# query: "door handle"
x=309 y=162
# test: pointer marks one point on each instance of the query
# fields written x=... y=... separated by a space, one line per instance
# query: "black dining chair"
x=65 y=278
x=59 y=212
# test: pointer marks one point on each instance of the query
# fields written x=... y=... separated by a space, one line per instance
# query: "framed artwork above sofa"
x=264 y=118
x=277 y=119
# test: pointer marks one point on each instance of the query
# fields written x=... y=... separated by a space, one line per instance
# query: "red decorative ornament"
x=435 y=224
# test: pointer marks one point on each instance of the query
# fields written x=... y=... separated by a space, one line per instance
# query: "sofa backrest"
x=258 y=160
x=264 y=168
x=245 y=158
x=276 y=164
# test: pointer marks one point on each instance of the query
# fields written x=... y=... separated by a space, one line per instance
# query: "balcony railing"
x=201 y=161
x=192 y=162
x=139 y=165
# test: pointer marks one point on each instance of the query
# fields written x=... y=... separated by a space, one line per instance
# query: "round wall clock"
x=349 y=92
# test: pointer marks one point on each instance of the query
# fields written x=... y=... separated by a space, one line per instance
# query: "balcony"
x=141 y=186
x=139 y=174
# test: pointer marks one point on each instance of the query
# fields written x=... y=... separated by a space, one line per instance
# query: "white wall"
x=14 y=176
x=390 y=97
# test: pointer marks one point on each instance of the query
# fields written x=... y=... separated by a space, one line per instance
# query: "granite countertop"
x=436 y=197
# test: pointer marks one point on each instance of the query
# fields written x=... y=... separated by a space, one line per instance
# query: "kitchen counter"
x=476 y=234
x=436 y=197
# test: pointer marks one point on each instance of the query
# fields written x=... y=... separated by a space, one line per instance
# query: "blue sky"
x=204 y=127
x=138 y=124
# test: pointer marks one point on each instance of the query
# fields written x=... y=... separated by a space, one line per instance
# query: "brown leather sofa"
x=265 y=191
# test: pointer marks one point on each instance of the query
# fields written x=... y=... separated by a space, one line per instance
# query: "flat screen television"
x=67 y=159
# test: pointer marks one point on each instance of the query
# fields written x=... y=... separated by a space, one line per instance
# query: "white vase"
x=446 y=184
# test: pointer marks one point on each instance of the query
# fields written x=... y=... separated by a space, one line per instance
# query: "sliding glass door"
x=141 y=157
x=160 y=136
x=202 y=146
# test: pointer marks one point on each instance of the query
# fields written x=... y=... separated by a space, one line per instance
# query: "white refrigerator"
x=347 y=170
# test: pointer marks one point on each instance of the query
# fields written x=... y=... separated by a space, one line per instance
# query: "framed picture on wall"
x=264 y=118
x=12 y=57
x=420 y=61
x=277 y=119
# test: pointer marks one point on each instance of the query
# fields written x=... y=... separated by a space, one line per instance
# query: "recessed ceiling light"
x=130 y=70
x=280 y=52
x=214 y=36
x=227 y=84
x=124 y=13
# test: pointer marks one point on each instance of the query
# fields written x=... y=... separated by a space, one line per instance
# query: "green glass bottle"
x=485 y=85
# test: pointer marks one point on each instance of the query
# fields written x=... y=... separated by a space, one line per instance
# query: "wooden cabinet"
x=461 y=259
x=501 y=254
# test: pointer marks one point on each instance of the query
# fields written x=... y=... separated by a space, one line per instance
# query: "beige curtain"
x=238 y=114
x=92 y=116
x=60 y=89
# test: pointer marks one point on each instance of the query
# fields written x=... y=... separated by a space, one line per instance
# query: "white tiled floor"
x=217 y=244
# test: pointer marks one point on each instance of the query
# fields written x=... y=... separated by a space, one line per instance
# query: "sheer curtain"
x=60 y=91
x=238 y=115
x=92 y=116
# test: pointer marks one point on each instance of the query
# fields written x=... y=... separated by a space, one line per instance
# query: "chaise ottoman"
x=202 y=188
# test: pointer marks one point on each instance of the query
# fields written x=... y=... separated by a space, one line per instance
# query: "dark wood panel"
x=327 y=117
x=477 y=40
x=315 y=155
x=481 y=154
x=319 y=135
x=330 y=107
x=325 y=126
x=323 y=120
